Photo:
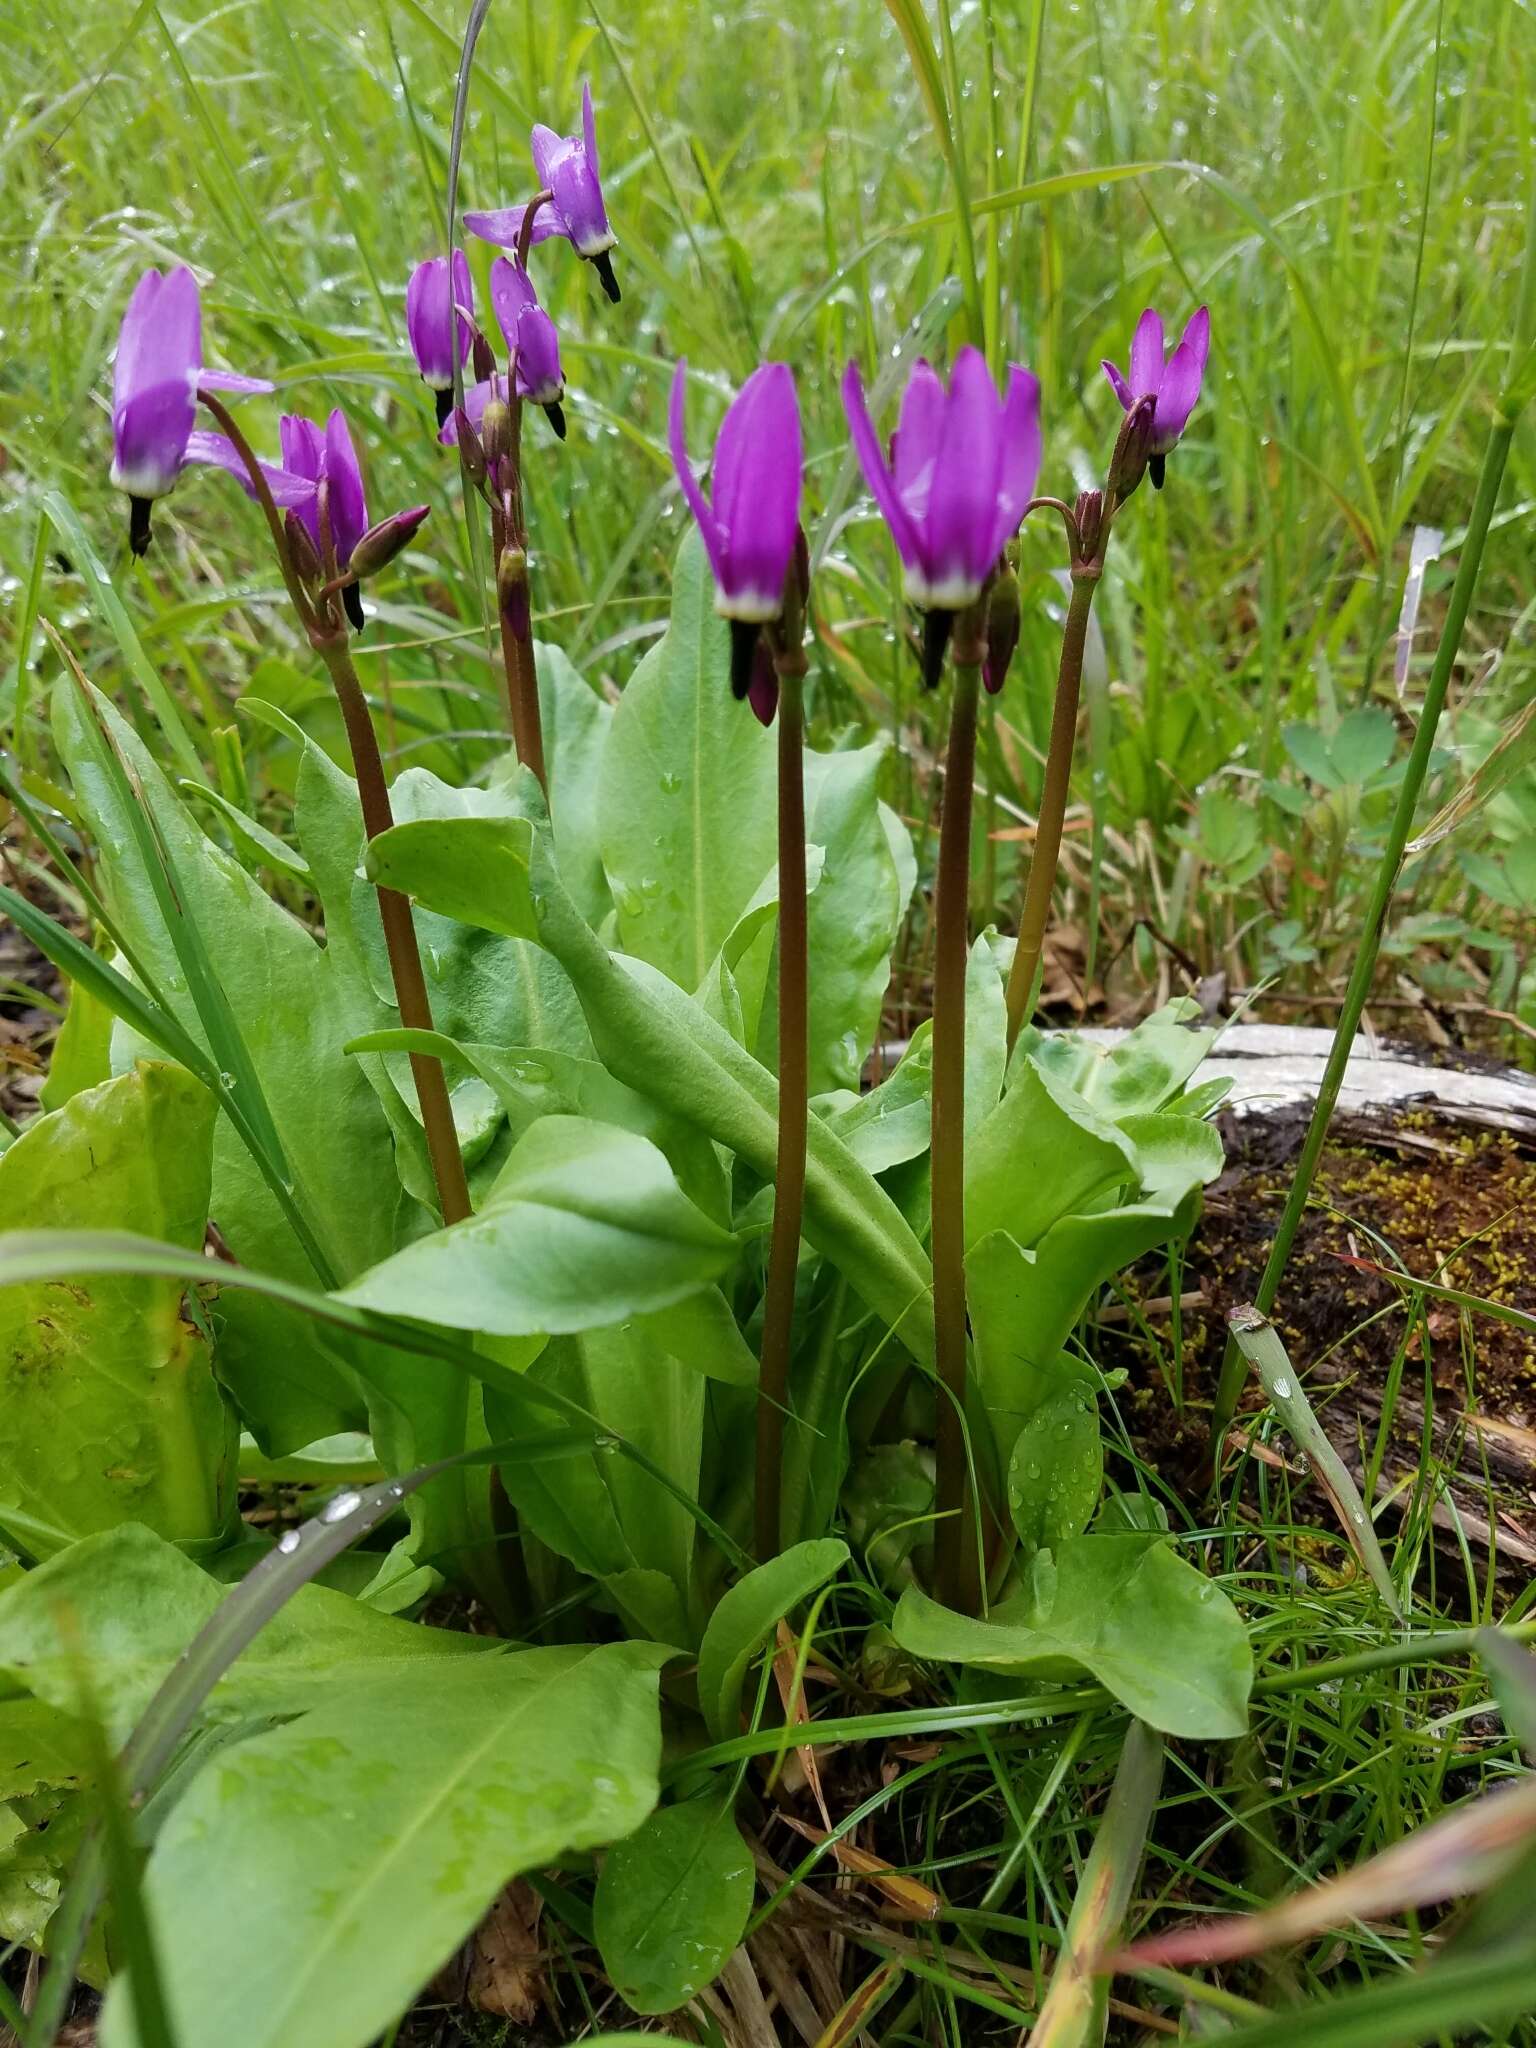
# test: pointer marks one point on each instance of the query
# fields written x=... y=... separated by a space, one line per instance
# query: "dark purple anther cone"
x=746 y=638
x=763 y=690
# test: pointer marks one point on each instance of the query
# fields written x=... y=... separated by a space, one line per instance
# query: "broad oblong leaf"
x=369 y=1836
x=672 y=1902
x=687 y=798
x=1039 y=1156
x=663 y=1044
x=109 y=1409
x=746 y=1617
x=586 y=1225
x=1166 y=1641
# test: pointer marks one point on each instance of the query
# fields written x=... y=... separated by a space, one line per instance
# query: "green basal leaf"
x=853 y=917
x=1040 y=1155
x=687 y=800
x=746 y=1616
x=109 y=1409
x=586 y=1225
x=607 y=1516
x=131 y=1603
x=661 y=1043
x=1056 y=1470
x=672 y=1903
x=372 y=1834
x=1162 y=1638
x=295 y=1006
x=469 y=868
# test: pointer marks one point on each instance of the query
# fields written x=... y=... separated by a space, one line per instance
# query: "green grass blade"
x=82 y=552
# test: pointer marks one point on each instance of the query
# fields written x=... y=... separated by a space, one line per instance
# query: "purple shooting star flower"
x=751 y=521
x=962 y=467
x=328 y=459
x=566 y=167
x=154 y=391
x=532 y=339
x=438 y=301
x=1174 y=385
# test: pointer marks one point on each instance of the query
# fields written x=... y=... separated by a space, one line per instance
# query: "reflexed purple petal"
x=882 y=485
x=511 y=290
x=756 y=489
x=160 y=341
x=178 y=329
x=536 y=345
x=1197 y=336
x=1147 y=353
x=134 y=369
x=589 y=127
x=918 y=435
x=579 y=198
x=303 y=446
x=543 y=144
x=428 y=321
x=464 y=299
x=1021 y=454
x=504 y=224
x=1176 y=400
x=1121 y=388
x=957 y=533
x=227 y=380
x=218 y=451
x=149 y=438
x=677 y=439
x=349 y=510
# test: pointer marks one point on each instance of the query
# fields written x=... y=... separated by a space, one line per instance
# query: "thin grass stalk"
x=1259 y=1341
x=794 y=1069
x=1506 y=415
x=954 y=1564
x=1076 y=2006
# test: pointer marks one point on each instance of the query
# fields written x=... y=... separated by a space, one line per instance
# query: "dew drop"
x=343 y=1505
x=288 y=1542
x=1282 y=1390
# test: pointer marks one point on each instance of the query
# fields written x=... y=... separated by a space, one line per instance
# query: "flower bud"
x=496 y=432
x=482 y=357
x=381 y=543
x=471 y=453
x=1134 y=450
x=1089 y=512
x=763 y=689
x=1002 y=627
x=301 y=549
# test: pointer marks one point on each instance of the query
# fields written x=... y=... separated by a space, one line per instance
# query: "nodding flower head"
x=750 y=522
x=750 y=519
x=439 y=304
x=155 y=384
x=566 y=167
x=533 y=341
x=962 y=466
x=328 y=458
x=1173 y=385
